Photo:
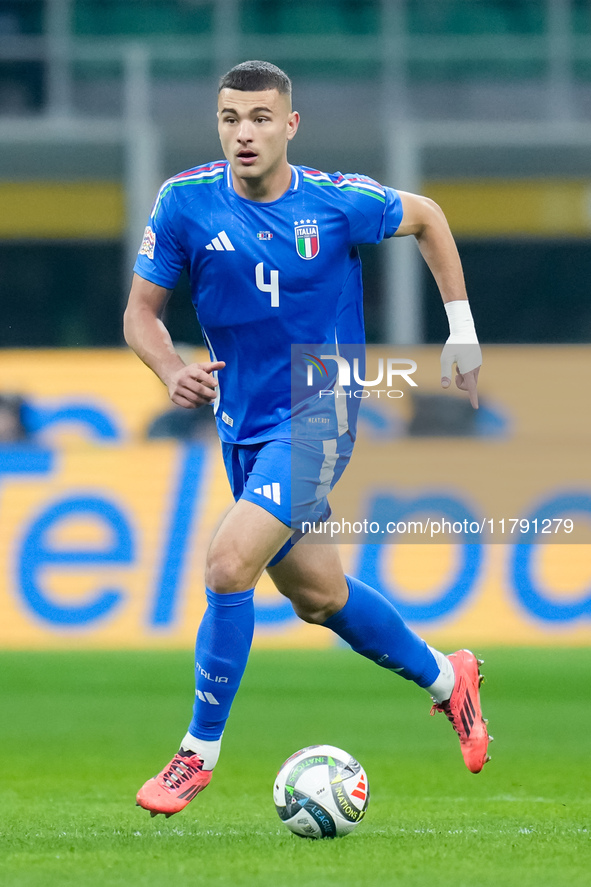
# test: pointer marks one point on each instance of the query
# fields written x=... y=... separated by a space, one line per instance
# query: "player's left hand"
x=468 y=359
x=468 y=382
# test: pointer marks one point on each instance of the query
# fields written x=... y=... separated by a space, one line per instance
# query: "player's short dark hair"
x=254 y=76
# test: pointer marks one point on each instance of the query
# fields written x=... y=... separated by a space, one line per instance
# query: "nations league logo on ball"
x=321 y=792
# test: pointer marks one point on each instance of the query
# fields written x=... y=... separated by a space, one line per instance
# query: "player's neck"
x=265 y=189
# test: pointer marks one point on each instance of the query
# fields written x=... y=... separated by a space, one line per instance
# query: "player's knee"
x=227 y=572
x=312 y=610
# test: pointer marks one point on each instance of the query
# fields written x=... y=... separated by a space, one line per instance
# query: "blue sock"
x=221 y=653
x=374 y=628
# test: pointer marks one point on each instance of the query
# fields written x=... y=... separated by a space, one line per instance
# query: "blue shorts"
x=289 y=478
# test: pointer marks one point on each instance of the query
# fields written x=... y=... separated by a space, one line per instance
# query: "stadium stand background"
x=84 y=82
x=483 y=105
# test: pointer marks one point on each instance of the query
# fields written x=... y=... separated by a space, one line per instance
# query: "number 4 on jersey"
x=272 y=287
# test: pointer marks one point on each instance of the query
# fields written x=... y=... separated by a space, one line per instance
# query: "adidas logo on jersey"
x=221 y=243
x=270 y=491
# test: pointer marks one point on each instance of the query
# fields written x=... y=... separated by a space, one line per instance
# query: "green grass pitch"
x=80 y=732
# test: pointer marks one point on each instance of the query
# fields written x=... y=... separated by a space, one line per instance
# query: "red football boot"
x=175 y=786
x=464 y=712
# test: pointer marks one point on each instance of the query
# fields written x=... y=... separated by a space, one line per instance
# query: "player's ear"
x=293 y=121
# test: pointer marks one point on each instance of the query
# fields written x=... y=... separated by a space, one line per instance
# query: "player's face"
x=254 y=129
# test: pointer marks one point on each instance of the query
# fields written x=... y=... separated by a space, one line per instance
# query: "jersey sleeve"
x=375 y=212
x=161 y=257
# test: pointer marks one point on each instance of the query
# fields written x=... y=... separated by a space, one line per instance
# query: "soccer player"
x=271 y=251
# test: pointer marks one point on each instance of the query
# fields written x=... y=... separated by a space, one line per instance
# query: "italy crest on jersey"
x=307 y=240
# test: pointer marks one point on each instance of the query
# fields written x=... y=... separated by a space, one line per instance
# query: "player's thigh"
x=246 y=540
x=312 y=577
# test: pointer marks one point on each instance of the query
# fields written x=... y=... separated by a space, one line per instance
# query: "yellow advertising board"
x=95 y=210
x=104 y=532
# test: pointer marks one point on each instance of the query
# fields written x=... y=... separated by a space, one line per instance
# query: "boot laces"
x=444 y=707
x=179 y=772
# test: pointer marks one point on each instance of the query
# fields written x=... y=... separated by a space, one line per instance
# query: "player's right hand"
x=194 y=385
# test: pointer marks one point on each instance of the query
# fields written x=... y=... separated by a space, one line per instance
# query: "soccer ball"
x=321 y=792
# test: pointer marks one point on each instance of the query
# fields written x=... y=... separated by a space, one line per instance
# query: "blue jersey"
x=266 y=276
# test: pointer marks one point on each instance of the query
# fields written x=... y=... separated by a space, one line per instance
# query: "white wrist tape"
x=462 y=346
x=461 y=323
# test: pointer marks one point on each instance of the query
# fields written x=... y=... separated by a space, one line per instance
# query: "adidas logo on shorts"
x=270 y=491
